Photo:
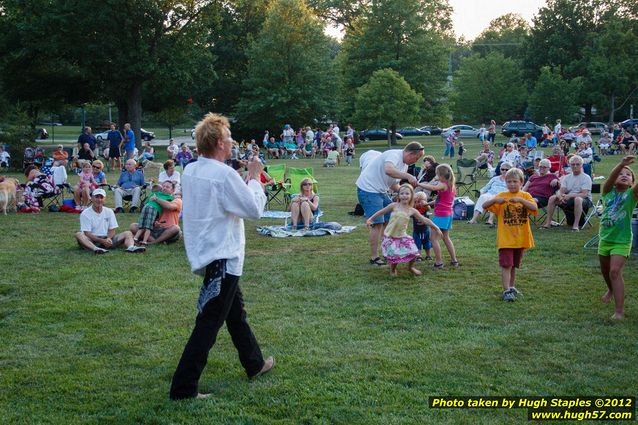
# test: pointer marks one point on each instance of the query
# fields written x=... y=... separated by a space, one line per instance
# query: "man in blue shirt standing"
x=88 y=137
x=130 y=183
x=531 y=142
x=115 y=140
x=128 y=142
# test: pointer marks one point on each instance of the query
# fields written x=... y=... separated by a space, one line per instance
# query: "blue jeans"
x=449 y=150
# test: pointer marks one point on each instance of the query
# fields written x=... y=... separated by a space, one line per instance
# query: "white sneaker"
x=135 y=249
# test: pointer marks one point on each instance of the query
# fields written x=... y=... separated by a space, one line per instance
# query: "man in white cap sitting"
x=97 y=228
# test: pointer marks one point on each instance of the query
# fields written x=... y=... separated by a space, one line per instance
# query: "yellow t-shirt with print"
x=513 y=221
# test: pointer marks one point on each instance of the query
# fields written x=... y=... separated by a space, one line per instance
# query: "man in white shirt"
x=97 y=228
x=380 y=175
x=216 y=200
x=574 y=194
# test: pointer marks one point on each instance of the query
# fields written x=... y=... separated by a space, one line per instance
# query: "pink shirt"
x=444 y=202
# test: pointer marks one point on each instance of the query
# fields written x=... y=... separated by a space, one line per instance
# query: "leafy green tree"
x=488 y=88
x=553 y=97
x=387 y=100
x=563 y=30
x=290 y=73
x=171 y=117
x=505 y=34
x=34 y=76
x=143 y=41
x=612 y=64
x=235 y=27
x=410 y=36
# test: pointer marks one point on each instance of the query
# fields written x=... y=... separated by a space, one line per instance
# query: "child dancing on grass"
x=397 y=246
x=443 y=213
x=421 y=232
x=615 y=235
x=513 y=234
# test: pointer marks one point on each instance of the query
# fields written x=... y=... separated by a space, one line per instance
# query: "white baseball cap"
x=99 y=192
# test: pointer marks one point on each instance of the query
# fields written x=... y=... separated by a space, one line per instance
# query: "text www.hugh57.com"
x=535 y=415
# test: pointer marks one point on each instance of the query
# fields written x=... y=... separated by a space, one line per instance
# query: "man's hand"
x=108 y=242
x=413 y=181
x=255 y=168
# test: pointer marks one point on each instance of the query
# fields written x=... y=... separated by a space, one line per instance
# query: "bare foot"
x=415 y=271
x=617 y=316
x=394 y=273
x=606 y=297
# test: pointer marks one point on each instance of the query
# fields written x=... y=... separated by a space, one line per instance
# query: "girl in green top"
x=619 y=200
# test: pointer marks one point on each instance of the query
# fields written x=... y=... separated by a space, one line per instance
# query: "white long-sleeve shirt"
x=216 y=200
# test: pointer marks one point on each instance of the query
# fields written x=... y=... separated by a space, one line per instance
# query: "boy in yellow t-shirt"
x=513 y=235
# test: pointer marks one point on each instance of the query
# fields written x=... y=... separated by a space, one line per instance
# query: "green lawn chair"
x=277 y=192
x=465 y=176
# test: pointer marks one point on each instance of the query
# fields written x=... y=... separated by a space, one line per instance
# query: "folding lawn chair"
x=466 y=176
x=277 y=191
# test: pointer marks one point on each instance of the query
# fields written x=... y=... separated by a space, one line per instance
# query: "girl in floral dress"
x=397 y=246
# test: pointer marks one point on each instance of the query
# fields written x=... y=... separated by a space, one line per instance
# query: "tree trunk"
x=612 y=111
x=134 y=104
x=587 y=117
x=122 y=113
x=170 y=132
x=393 y=134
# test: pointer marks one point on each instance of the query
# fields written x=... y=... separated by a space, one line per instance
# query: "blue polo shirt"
x=130 y=144
x=130 y=180
x=115 y=137
x=531 y=142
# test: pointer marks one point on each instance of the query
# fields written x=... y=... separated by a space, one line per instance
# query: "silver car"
x=467 y=131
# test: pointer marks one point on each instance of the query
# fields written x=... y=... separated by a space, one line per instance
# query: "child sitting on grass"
x=421 y=232
x=615 y=234
x=397 y=246
x=513 y=234
x=152 y=210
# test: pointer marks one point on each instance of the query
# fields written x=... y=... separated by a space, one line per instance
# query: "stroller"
x=28 y=157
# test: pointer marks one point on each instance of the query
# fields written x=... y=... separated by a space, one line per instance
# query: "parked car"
x=413 y=131
x=466 y=131
x=376 y=134
x=434 y=131
x=629 y=123
x=146 y=135
x=594 y=127
x=521 y=128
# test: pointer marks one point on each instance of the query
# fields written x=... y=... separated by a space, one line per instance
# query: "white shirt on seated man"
x=97 y=228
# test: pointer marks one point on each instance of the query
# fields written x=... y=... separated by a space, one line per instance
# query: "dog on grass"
x=8 y=189
x=147 y=164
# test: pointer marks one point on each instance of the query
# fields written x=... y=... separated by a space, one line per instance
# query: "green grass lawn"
x=95 y=339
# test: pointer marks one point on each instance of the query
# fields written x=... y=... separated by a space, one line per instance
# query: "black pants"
x=228 y=306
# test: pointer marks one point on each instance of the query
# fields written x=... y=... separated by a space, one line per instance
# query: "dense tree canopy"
x=408 y=36
x=488 y=88
x=553 y=97
x=290 y=76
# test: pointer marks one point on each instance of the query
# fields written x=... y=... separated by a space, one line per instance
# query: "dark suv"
x=520 y=128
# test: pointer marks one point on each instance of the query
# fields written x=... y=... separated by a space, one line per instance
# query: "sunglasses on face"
x=306 y=184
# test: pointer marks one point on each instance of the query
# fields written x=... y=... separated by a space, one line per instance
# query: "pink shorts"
x=510 y=257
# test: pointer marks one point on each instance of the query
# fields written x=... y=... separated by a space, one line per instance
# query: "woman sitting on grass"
x=304 y=205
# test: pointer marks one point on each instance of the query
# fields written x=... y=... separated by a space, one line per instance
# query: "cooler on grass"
x=463 y=208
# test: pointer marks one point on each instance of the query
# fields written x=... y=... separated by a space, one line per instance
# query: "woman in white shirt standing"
x=215 y=202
